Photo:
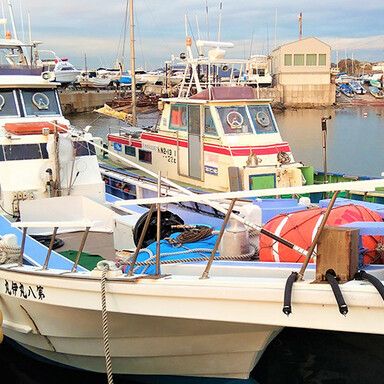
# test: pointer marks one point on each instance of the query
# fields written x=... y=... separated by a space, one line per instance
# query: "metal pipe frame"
x=22 y=247
x=205 y=274
x=141 y=240
x=53 y=238
x=84 y=238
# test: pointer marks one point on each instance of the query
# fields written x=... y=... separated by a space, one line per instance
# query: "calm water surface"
x=355 y=146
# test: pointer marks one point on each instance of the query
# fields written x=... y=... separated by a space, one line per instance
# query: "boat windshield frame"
x=33 y=109
x=262 y=122
x=15 y=103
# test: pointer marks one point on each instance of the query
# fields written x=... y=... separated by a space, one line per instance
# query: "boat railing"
x=24 y=225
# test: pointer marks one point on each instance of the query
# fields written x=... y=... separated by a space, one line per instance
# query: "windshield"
x=234 y=120
x=40 y=102
x=262 y=119
x=247 y=119
x=8 y=104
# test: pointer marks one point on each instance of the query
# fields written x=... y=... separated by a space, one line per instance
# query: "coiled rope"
x=8 y=253
x=104 y=317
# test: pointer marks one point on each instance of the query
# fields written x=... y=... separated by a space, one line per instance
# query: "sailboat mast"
x=133 y=78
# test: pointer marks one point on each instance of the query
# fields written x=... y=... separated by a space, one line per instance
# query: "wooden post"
x=337 y=250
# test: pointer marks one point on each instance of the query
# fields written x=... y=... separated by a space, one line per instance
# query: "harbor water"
x=355 y=144
x=354 y=141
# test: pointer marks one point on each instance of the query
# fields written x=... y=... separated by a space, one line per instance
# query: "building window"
x=145 y=156
x=287 y=60
x=130 y=151
x=298 y=59
x=311 y=59
x=322 y=59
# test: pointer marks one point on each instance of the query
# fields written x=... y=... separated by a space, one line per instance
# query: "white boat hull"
x=66 y=76
x=180 y=325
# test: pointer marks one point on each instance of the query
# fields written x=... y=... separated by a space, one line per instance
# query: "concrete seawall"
x=84 y=101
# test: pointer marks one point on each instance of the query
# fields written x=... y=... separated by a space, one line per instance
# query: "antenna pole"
x=133 y=77
x=22 y=21
x=207 y=17
x=301 y=25
x=197 y=26
x=3 y=13
x=12 y=20
x=186 y=25
x=29 y=27
x=219 y=28
x=275 y=45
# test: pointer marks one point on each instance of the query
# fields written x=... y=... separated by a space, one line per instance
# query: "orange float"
x=300 y=228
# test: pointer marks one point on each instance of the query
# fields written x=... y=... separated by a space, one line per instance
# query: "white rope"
x=104 y=316
x=8 y=253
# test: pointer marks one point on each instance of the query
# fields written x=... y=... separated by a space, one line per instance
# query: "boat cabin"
x=39 y=157
x=222 y=139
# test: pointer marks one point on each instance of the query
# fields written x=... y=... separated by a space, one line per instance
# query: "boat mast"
x=133 y=78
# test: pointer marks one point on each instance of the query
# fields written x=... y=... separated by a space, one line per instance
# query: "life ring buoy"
x=300 y=229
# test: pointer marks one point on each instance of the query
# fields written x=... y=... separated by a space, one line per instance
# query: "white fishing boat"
x=61 y=69
x=188 y=318
x=258 y=71
x=93 y=79
x=220 y=138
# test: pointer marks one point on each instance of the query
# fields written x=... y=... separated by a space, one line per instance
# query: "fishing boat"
x=376 y=92
x=219 y=138
x=357 y=87
x=61 y=69
x=346 y=90
x=208 y=315
x=93 y=79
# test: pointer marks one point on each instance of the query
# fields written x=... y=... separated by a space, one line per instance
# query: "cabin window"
x=234 y=120
x=179 y=117
x=145 y=156
x=8 y=105
x=209 y=125
x=322 y=59
x=2 y=158
x=22 y=152
x=40 y=102
x=130 y=151
x=298 y=59
x=311 y=59
x=261 y=72
x=262 y=119
x=288 y=59
x=81 y=148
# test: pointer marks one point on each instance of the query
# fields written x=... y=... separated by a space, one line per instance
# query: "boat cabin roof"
x=24 y=81
x=222 y=95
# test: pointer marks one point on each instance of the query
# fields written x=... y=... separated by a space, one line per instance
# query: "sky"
x=95 y=28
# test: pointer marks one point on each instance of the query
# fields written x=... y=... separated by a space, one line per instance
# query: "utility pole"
x=133 y=78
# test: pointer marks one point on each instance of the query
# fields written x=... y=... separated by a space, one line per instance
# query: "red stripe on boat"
x=269 y=149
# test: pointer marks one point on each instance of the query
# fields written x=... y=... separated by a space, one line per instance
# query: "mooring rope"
x=8 y=253
x=152 y=259
x=104 y=316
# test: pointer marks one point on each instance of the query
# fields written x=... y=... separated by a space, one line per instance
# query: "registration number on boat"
x=25 y=291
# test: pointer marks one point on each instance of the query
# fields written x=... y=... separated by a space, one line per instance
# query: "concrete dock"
x=75 y=101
